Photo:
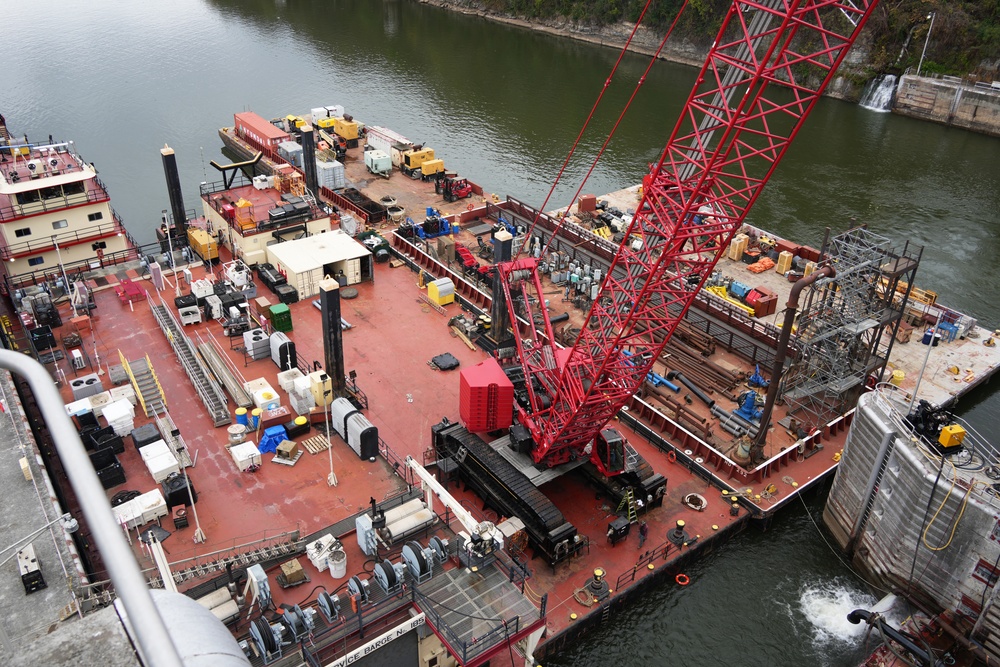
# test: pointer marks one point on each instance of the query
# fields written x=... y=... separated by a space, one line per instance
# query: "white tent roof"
x=314 y=252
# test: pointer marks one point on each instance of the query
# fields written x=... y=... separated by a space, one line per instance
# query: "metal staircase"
x=147 y=387
x=209 y=391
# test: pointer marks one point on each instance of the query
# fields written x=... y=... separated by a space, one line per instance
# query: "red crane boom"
x=769 y=65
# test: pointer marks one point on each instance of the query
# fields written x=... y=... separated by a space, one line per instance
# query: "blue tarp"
x=271 y=439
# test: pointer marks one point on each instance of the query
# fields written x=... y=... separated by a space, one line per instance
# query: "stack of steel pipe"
x=708 y=375
x=696 y=338
x=682 y=414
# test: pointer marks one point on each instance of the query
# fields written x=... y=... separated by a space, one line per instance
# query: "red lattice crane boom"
x=769 y=65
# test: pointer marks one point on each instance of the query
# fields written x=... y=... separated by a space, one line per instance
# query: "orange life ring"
x=672 y=456
x=682 y=579
x=469 y=207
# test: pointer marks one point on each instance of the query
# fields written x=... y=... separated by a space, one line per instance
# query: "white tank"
x=409 y=525
x=338 y=563
x=404 y=510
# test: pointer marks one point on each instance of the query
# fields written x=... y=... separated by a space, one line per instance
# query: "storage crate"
x=281 y=317
x=441 y=291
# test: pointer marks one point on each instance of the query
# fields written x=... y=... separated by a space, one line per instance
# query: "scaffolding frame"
x=848 y=325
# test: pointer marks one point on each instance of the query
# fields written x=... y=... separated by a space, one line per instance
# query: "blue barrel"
x=255 y=418
x=928 y=337
x=241 y=416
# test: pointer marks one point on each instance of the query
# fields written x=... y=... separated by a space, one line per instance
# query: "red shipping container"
x=787 y=245
x=811 y=254
x=486 y=397
x=588 y=204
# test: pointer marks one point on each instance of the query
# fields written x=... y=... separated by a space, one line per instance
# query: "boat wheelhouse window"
x=60 y=224
x=93 y=217
x=74 y=188
x=35 y=261
x=51 y=193
x=28 y=197
x=24 y=231
x=986 y=572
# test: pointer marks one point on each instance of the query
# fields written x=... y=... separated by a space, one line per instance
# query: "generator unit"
x=283 y=351
x=354 y=428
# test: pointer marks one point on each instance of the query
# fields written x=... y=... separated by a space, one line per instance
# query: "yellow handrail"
x=131 y=377
x=159 y=388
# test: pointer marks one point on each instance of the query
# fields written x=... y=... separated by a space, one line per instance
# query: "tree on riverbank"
x=965 y=39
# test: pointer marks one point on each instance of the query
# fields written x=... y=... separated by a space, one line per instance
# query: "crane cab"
x=609 y=452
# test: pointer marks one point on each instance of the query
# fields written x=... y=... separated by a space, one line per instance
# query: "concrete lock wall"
x=950 y=102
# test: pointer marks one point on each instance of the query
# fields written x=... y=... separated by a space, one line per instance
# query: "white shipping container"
x=317 y=113
x=331 y=174
x=382 y=138
x=335 y=111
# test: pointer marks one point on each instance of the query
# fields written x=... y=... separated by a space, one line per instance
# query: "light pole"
x=331 y=479
x=930 y=16
x=62 y=268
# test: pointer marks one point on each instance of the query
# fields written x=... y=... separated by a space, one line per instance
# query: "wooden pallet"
x=316 y=444
x=287 y=462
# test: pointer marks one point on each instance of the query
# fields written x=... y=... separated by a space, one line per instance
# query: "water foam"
x=825 y=606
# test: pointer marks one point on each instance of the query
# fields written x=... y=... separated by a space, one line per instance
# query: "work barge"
x=571 y=555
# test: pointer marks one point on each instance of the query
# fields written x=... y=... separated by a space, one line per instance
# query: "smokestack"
x=174 y=188
x=333 y=333
x=309 y=159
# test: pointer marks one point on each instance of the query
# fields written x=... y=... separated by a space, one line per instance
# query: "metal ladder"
x=628 y=501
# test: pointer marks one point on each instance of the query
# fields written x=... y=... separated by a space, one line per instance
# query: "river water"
x=502 y=106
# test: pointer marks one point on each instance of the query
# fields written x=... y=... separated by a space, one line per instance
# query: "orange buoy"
x=682 y=579
x=672 y=456
x=469 y=207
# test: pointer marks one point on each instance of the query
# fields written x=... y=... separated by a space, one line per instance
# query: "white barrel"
x=237 y=434
x=409 y=525
x=338 y=563
x=403 y=511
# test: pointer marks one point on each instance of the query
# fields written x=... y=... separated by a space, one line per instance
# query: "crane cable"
x=641 y=80
x=593 y=110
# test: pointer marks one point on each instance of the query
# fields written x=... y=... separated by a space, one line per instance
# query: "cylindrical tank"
x=237 y=432
x=338 y=563
x=409 y=525
x=404 y=510
x=241 y=416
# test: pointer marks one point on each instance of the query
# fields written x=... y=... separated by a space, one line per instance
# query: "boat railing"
x=46 y=205
x=463 y=649
x=10 y=251
x=660 y=553
x=396 y=462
